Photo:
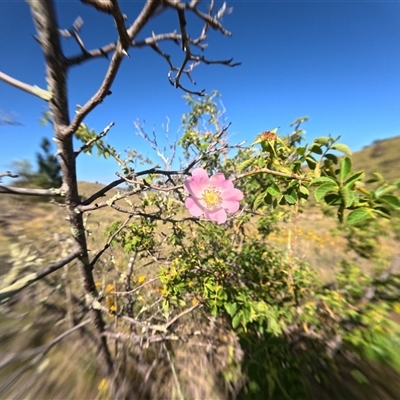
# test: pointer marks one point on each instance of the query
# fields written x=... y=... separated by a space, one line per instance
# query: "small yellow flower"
x=141 y=279
x=103 y=386
x=109 y=288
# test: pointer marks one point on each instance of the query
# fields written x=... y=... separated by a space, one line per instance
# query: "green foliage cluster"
x=291 y=325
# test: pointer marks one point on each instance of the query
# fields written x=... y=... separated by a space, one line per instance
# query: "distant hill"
x=381 y=156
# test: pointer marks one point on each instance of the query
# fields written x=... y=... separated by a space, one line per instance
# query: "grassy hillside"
x=381 y=156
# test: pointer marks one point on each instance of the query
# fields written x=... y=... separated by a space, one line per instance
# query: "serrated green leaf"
x=354 y=198
x=354 y=178
x=258 y=200
x=345 y=168
x=324 y=189
x=324 y=140
x=245 y=164
x=323 y=179
x=391 y=200
x=358 y=215
x=290 y=199
x=274 y=190
x=333 y=199
x=346 y=196
x=343 y=148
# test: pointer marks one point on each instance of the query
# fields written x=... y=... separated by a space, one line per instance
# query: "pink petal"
x=217 y=179
x=216 y=215
x=227 y=185
x=194 y=208
x=230 y=206
x=232 y=195
x=200 y=175
x=196 y=183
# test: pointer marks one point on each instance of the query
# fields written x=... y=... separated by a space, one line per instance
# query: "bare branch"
x=148 y=10
x=101 y=192
x=35 y=90
x=29 y=191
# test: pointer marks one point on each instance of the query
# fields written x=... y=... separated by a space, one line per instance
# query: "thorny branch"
x=94 y=140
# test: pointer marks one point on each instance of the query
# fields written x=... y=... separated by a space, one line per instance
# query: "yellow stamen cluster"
x=212 y=197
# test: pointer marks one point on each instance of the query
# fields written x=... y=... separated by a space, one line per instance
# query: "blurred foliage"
x=48 y=172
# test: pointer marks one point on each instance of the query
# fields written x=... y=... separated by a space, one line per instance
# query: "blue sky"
x=336 y=62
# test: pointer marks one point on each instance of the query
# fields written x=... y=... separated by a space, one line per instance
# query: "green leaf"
x=236 y=321
x=324 y=140
x=343 y=148
x=245 y=164
x=346 y=196
x=303 y=189
x=333 y=199
x=274 y=190
x=316 y=148
x=332 y=157
x=290 y=199
x=258 y=200
x=323 y=179
x=311 y=163
x=231 y=308
x=377 y=177
x=384 y=189
x=345 y=168
x=354 y=178
x=301 y=150
x=358 y=215
x=354 y=198
x=324 y=189
x=391 y=200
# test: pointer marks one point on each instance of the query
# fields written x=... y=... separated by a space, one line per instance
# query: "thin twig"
x=7 y=359
x=94 y=140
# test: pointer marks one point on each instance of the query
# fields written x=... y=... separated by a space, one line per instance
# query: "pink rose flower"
x=212 y=196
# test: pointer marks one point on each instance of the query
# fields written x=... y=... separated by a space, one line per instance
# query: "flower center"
x=212 y=197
